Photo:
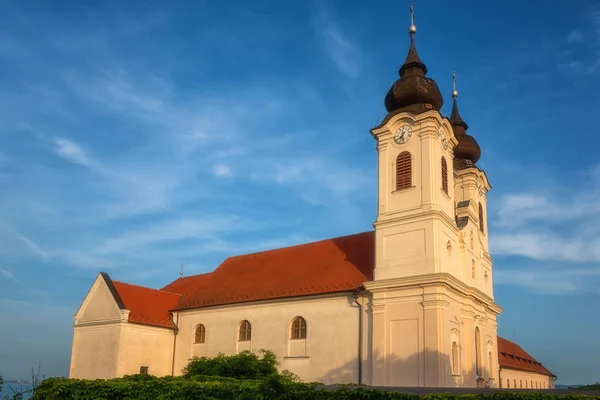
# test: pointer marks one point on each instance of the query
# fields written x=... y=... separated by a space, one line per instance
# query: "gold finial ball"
x=412 y=29
x=455 y=93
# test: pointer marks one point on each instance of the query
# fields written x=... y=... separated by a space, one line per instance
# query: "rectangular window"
x=143 y=370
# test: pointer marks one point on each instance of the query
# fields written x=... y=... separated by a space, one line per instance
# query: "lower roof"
x=512 y=356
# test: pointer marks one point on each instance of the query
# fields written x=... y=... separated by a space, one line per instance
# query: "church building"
x=408 y=303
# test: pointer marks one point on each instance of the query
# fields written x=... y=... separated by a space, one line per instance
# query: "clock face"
x=403 y=134
x=444 y=140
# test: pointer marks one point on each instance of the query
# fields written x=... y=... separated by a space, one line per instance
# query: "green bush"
x=244 y=365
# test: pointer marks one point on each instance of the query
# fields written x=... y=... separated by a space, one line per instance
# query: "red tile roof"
x=188 y=284
x=333 y=265
x=147 y=306
x=511 y=355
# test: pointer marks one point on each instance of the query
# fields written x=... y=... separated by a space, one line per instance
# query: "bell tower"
x=432 y=323
x=415 y=223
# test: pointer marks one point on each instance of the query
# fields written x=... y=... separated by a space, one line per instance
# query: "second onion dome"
x=467 y=152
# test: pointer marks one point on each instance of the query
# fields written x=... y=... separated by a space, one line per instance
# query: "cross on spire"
x=412 y=29
x=454 y=92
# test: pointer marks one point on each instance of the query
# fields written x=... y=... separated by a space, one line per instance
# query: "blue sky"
x=137 y=136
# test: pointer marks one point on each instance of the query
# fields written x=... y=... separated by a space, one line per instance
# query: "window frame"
x=245 y=331
x=298 y=328
x=455 y=358
x=444 y=175
x=478 y=368
x=481 y=225
x=200 y=334
x=404 y=170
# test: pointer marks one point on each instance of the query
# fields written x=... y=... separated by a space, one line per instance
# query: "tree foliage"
x=593 y=386
x=244 y=365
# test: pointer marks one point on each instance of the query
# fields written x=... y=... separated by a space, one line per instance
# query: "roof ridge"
x=146 y=287
x=190 y=276
x=295 y=245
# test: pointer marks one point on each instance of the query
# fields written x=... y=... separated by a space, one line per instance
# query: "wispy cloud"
x=72 y=152
x=551 y=225
x=34 y=247
x=563 y=281
x=222 y=171
x=575 y=37
x=342 y=49
x=6 y=274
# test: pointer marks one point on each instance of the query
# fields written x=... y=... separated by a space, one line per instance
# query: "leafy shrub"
x=244 y=365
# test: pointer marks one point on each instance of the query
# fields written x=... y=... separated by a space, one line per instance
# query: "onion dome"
x=413 y=92
x=467 y=152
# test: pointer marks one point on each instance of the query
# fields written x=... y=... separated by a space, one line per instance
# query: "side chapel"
x=409 y=303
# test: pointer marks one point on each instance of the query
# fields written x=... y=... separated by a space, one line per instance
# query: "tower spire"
x=412 y=58
x=413 y=92
x=455 y=118
x=467 y=152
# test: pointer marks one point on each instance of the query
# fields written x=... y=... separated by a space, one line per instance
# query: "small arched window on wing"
x=200 y=334
x=298 y=328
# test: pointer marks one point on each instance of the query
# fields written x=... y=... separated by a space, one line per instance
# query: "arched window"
x=200 y=336
x=245 y=331
x=444 y=175
x=298 y=330
x=477 y=351
x=507 y=382
x=403 y=171
x=454 y=358
x=490 y=361
x=480 y=218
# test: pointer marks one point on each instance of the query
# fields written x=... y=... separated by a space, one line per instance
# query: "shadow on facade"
x=426 y=369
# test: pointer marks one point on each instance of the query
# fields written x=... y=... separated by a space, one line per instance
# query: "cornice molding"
x=402 y=217
x=437 y=279
x=112 y=321
x=435 y=304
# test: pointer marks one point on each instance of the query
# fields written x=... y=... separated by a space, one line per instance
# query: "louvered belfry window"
x=444 y=175
x=480 y=217
x=403 y=171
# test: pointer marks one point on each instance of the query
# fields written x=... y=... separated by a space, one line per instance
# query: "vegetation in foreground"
x=243 y=376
